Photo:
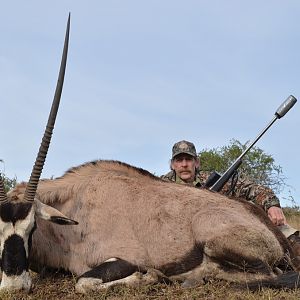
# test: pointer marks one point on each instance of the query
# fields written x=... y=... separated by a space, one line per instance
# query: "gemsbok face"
x=19 y=210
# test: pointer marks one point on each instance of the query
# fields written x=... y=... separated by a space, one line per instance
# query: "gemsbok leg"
x=115 y=271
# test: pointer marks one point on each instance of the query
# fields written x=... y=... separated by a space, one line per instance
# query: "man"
x=185 y=169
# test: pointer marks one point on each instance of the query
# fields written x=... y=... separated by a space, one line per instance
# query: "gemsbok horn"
x=18 y=214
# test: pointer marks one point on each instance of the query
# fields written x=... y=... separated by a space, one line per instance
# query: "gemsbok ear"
x=51 y=214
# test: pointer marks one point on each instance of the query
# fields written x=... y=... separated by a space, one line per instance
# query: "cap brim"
x=184 y=152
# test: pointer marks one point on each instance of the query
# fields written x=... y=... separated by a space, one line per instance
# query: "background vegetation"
x=257 y=165
x=8 y=182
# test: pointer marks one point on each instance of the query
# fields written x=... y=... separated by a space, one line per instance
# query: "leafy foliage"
x=8 y=182
x=257 y=165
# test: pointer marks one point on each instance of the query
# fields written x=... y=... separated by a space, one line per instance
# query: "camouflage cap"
x=184 y=147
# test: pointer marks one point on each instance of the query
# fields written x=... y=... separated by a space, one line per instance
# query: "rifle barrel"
x=280 y=112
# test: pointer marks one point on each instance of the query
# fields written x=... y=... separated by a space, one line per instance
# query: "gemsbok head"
x=17 y=215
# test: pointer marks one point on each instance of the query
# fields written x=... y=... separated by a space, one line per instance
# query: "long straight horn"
x=41 y=157
x=3 y=196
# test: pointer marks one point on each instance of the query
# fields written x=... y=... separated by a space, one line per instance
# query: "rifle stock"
x=218 y=185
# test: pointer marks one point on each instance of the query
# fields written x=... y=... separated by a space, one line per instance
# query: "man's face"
x=185 y=166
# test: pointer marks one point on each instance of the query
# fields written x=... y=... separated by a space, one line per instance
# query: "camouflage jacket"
x=244 y=189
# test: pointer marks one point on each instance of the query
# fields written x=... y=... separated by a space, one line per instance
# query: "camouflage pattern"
x=244 y=189
x=184 y=147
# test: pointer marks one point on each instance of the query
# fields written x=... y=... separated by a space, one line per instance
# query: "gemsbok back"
x=18 y=214
x=135 y=228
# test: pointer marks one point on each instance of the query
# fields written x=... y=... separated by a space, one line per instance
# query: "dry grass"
x=58 y=286
x=62 y=287
x=293 y=217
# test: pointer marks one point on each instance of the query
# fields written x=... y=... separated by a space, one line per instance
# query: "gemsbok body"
x=135 y=228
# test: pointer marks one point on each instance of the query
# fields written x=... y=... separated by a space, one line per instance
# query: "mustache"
x=184 y=170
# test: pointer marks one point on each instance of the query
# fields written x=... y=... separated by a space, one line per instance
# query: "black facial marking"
x=14 y=260
x=191 y=260
x=12 y=212
x=112 y=270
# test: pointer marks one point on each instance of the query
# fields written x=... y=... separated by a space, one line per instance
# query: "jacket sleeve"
x=256 y=193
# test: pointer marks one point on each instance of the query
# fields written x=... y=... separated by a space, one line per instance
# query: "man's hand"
x=276 y=215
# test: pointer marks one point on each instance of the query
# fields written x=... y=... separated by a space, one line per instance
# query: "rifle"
x=215 y=182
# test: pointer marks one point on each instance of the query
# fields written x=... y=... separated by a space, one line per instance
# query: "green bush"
x=257 y=165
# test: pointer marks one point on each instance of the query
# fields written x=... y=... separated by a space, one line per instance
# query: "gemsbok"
x=134 y=228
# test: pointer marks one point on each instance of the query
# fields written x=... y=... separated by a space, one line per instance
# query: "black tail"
x=289 y=280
